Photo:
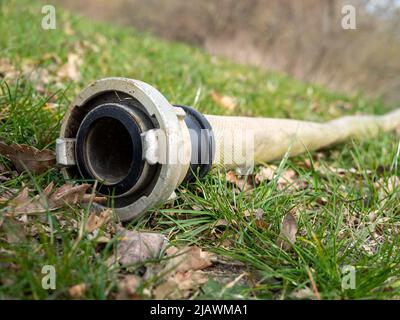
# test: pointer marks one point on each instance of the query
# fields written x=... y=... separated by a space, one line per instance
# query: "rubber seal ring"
x=113 y=111
x=203 y=143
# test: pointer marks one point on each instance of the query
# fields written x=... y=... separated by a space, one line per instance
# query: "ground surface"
x=345 y=200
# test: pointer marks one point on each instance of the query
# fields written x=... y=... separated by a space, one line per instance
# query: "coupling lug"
x=65 y=152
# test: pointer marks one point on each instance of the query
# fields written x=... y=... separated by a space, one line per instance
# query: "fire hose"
x=124 y=134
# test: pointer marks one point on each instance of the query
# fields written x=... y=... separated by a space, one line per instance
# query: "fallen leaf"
x=286 y=178
x=287 y=236
x=127 y=287
x=244 y=183
x=69 y=194
x=224 y=101
x=259 y=218
x=68 y=29
x=49 y=200
x=4 y=173
x=70 y=70
x=20 y=200
x=7 y=69
x=387 y=186
x=221 y=223
x=187 y=258
x=50 y=106
x=14 y=230
x=180 y=284
x=77 y=291
x=302 y=294
x=167 y=289
x=134 y=246
x=326 y=170
x=266 y=174
x=95 y=222
x=27 y=157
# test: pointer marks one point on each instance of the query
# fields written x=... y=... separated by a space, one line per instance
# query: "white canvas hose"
x=273 y=137
x=124 y=135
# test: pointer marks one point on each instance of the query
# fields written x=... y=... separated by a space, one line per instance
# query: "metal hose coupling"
x=125 y=135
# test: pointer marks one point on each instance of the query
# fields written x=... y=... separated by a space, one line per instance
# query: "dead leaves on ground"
x=49 y=200
x=78 y=291
x=7 y=69
x=42 y=74
x=227 y=102
x=183 y=272
x=180 y=285
x=95 y=222
x=185 y=259
x=71 y=69
x=134 y=247
x=5 y=174
x=286 y=179
x=128 y=286
x=29 y=158
x=180 y=273
x=387 y=186
x=243 y=183
x=287 y=236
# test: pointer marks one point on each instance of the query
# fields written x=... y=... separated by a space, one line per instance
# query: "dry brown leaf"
x=127 y=287
x=14 y=230
x=21 y=203
x=7 y=69
x=95 y=222
x=50 y=106
x=326 y=170
x=188 y=258
x=287 y=178
x=134 y=246
x=220 y=223
x=180 y=284
x=386 y=186
x=224 y=101
x=70 y=70
x=27 y=157
x=167 y=289
x=259 y=218
x=302 y=294
x=244 y=183
x=287 y=236
x=67 y=194
x=77 y=291
x=266 y=174
x=4 y=112
x=2 y=171
x=68 y=29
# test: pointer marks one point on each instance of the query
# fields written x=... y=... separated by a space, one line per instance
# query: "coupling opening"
x=109 y=151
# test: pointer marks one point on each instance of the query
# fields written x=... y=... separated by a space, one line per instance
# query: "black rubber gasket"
x=200 y=165
x=116 y=112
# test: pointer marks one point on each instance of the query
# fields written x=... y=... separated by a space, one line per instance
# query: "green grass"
x=333 y=210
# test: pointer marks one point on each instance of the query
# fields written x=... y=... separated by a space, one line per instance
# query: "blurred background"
x=302 y=38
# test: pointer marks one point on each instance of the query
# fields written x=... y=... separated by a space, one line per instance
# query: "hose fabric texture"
x=271 y=139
